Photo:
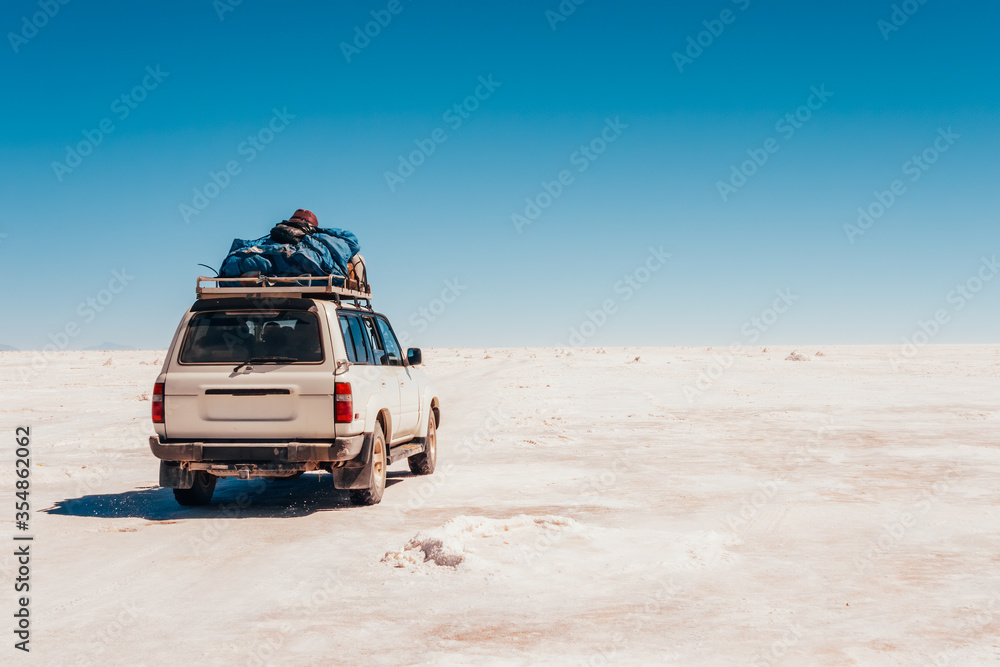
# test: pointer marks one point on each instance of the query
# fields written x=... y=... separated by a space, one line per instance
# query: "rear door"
x=369 y=370
x=251 y=374
x=409 y=400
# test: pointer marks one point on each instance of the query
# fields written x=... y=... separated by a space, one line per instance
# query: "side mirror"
x=413 y=356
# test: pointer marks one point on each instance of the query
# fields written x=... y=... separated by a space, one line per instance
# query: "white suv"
x=271 y=380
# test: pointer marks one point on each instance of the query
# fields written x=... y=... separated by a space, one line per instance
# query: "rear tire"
x=373 y=494
x=200 y=492
x=423 y=463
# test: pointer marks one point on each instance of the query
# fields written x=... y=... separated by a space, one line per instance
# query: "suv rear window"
x=287 y=336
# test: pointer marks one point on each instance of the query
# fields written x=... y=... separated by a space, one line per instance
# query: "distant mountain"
x=108 y=347
x=7 y=348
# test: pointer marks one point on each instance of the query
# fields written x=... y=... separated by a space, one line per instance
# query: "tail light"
x=158 y=403
x=343 y=403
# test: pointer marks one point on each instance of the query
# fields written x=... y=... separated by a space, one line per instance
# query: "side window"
x=349 y=345
x=372 y=339
x=355 y=340
x=395 y=355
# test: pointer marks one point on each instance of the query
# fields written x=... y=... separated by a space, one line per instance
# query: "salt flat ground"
x=835 y=510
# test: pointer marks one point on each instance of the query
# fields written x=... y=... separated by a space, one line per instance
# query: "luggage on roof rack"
x=321 y=252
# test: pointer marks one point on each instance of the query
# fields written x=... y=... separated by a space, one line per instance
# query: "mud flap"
x=173 y=476
x=357 y=473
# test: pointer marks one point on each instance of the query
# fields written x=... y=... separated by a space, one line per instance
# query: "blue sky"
x=198 y=87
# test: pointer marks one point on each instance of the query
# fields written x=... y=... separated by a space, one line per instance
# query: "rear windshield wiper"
x=258 y=360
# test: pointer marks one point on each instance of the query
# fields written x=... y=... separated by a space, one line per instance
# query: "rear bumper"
x=341 y=449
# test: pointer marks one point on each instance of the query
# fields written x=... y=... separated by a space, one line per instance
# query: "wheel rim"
x=432 y=441
x=379 y=464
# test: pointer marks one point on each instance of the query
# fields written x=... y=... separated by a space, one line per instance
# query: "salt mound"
x=464 y=539
x=795 y=356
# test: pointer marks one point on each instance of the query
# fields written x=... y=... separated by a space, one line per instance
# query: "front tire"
x=200 y=492
x=373 y=494
x=423 y=463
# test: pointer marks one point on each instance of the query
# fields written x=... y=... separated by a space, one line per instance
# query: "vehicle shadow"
x=233 y=499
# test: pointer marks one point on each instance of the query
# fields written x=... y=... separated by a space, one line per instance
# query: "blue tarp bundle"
x=325 y=252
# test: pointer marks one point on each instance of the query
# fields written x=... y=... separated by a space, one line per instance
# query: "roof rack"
x=295 y=287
